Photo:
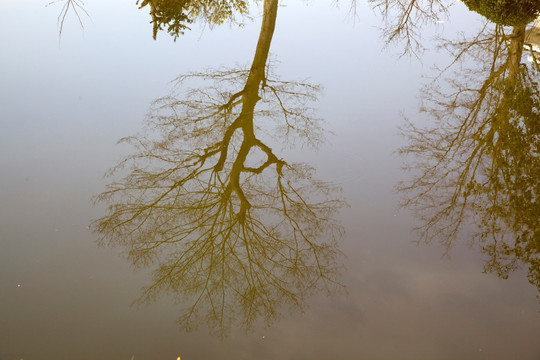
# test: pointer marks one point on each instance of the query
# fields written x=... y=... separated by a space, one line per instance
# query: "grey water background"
x=65 y=102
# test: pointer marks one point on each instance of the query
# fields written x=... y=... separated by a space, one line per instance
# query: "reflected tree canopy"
x=506 y=12
x=175 y=15
x=234 y=232
x=480 y=158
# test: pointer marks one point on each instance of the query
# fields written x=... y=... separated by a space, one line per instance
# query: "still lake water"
x=65 y=102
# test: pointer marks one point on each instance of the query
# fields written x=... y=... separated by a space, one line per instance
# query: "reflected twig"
x=70 y=5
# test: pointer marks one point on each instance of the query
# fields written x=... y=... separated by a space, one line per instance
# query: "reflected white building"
x=532 y=40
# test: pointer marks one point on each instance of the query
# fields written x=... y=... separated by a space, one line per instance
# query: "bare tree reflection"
x=405 y=19
x=480 y=158
x=235 y=231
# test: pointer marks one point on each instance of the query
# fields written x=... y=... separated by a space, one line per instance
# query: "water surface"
x=65 y=102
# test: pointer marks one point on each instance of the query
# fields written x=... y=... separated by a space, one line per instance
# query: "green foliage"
x=176 y=15
x=506 y=12
x=169 y=13
x=520 y=180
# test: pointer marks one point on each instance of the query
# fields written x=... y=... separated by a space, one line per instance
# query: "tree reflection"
x=236 y=232
x=480 y=158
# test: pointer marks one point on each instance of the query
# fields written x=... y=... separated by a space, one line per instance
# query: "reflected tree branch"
x=404 y=20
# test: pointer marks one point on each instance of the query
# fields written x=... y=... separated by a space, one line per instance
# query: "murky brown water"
x=257 y=230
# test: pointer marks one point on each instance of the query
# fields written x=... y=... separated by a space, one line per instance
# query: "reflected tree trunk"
x=515 y=51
